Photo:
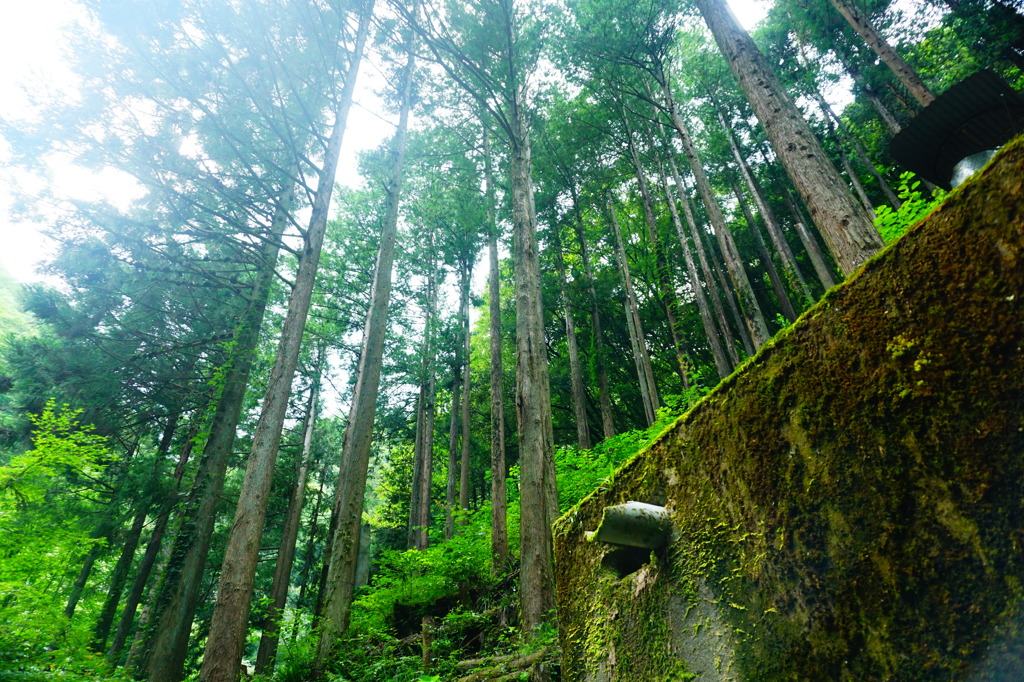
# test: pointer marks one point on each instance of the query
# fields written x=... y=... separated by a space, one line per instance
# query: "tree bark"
x=499 y=510
x=648 y=389
x=228 y=627
x=453 y=445
x=846 y=227
x=267 y=651
x=356 y=456
x=903 y=71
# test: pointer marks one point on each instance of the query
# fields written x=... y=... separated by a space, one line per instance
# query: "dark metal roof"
x=978 y=113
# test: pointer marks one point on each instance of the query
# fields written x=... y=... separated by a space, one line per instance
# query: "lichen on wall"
x=850 y=504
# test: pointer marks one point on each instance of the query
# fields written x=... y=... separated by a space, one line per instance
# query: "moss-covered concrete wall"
x=850 y=504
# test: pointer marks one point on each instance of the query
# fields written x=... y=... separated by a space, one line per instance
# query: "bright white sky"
x=33 y=72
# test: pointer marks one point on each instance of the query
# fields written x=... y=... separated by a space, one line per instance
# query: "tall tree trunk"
x=358 y=437
x=450 y=489
x=604 y=395
x=752 y=316
x=903 y=71
x=722 y=280
x=421 y=473
x=229 y=625
x=814 y=251
x=179 y=592
x=267 y=651
x=785 y=305
x=789 y=264
x=846 y=227
x=577 y=391
x=648 y=389
x=666 y=291
x=499 y=526
x=423 y=518
x=722 y=364
x=538 y=491
x=464 y=463
x=702 y=257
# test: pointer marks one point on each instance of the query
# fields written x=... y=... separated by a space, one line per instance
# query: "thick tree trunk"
x=845 y=226
x=711 y=332
x=577 y=391
x=642 y=360
x=789 y=264
x=538 y=492
x=267 y=651
x=752 y=316
x=709 y=275
x=358 y=437
x=604 y=395
x=229 y=625
x=903 y=71
x=499 y=509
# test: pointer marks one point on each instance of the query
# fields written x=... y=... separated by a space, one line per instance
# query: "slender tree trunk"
x=752 y=316
x=421 y=473
x=229 y=625
x=464 y=463
x=179 y=592
x=858 y=148
x=814 y=251
x=709 y=275
x=267 y=651
x=453 y=445
x=778 y=287
x=604 y=395
x=846 y=227
x=722 y=281
x=903 y=71
x=423 y=520
x=789 y=264
x=666 y=291
x=887 y=118
x=356 y=456
x=648 y=389
x=722 y=364
x=577 y=391
x=499 y=527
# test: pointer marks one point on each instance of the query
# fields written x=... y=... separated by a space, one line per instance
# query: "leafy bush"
x=893 y=224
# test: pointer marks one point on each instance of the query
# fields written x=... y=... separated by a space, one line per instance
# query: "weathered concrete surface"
x=850 y=504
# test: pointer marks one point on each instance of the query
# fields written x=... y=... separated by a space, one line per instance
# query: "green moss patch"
x=853 y=499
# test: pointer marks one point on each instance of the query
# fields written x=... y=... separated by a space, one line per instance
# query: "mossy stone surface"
x=850 y=504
